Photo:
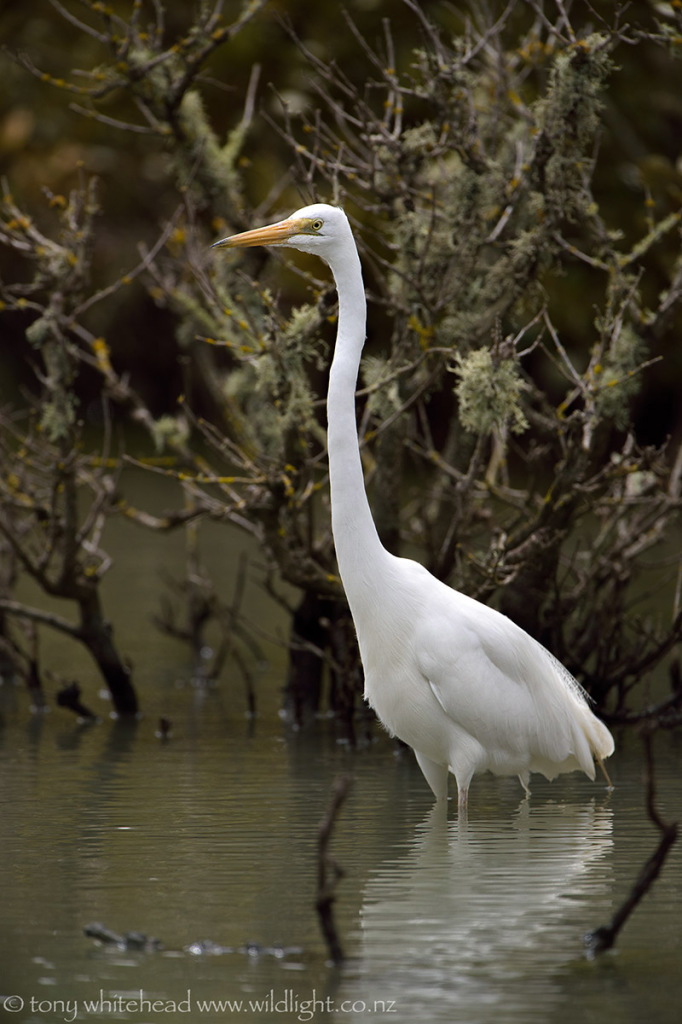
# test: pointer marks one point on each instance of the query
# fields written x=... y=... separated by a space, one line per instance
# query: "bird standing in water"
x=459 y=682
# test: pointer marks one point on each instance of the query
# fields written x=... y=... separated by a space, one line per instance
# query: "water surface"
x=212 y=836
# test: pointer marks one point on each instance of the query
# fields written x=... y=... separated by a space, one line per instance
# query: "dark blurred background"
x=45 y=144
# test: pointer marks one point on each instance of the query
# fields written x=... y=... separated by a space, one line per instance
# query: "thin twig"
x=603 y=938
x=329 y=871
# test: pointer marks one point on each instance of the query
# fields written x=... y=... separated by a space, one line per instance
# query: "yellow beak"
x=272 y=234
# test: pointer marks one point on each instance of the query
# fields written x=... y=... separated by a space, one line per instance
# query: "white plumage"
x=459 y=682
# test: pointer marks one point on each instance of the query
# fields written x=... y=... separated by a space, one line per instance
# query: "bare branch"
x=328 y=870
x=603 y=938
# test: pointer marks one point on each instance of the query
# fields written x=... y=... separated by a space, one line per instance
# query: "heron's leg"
x=524 y=778
x=464 y=773
x=435 y=774
x=606 y=774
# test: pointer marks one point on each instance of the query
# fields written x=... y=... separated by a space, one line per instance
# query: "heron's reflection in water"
x=477 y=913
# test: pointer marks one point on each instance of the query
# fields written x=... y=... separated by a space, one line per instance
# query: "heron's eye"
x=317 y=224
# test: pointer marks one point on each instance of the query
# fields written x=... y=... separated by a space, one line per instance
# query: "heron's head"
x=320 y=229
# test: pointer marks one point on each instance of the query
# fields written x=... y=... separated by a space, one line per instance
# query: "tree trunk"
x=97 y=635
x=347 y=675
x=303 y=690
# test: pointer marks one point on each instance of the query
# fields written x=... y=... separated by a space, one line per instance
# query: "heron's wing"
x=504 y=688
x=476 y=674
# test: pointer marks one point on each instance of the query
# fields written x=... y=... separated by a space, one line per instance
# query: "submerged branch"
x=329 y=871
x=604 y=937
x=70 y=697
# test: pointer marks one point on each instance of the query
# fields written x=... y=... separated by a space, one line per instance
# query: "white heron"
x=456 y=680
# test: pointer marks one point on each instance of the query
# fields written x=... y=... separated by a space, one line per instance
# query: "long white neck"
x=358 y=548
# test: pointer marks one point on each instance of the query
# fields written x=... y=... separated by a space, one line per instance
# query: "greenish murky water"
x=211 y=838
